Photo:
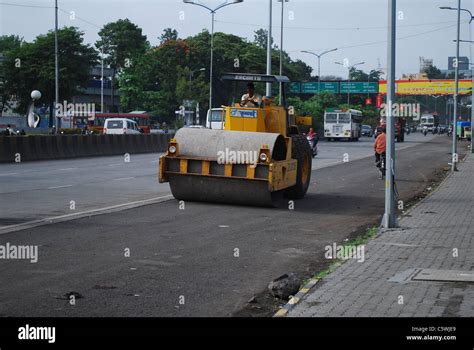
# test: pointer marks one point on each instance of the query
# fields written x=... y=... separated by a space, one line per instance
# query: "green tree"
x=168 y=34
x=122 y=42
x=315 y=106
x=31 y=66
x=434 y=73
x=191 y=86
x=150 y=83
x=159 y=80
x=7 y=44
x=331 y=78
x=261 y=38
x=360 y=75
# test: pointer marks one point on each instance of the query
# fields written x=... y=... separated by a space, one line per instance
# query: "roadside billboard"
x=427 y=87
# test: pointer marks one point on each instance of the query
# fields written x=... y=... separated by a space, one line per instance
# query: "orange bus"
x=142 y=119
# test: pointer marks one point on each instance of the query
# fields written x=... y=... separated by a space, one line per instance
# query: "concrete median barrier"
x=44 y=147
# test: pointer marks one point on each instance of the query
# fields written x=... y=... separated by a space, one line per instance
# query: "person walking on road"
x=380 y=149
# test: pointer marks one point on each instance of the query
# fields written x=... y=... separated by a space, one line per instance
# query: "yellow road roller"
x=257 y=158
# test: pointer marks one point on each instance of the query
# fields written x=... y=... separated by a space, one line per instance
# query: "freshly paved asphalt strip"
x=203 y=259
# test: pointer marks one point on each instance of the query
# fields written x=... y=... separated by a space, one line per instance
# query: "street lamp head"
x=188 y=1
x=447 y=8
x=35 y=95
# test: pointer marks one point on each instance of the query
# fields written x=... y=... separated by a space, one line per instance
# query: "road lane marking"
x=55 y=187
x=123 y=178
x=64 y=169
x=115 y=164
x=82 y=214
x=8 y=174
x=224 y=226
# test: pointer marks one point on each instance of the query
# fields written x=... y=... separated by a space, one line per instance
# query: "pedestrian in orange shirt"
x=380 y=148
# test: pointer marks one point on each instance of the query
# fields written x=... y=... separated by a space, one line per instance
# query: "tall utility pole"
x=456 y=87
x=211 y=65
x=454 y=159
x=319 y=63
x=269 y=49
x=390 y=218
x=213 y=12
x=102 y=79
x=281 y=47
x=56 y=65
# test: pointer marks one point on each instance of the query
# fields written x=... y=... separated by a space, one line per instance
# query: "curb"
x=296 y=299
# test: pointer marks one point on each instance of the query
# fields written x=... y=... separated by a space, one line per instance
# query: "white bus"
x=342 y=124
x=427 y=120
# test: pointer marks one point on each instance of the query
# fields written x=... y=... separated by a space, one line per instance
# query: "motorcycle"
x=425 y=131
x=313 y=144
x=450 y=132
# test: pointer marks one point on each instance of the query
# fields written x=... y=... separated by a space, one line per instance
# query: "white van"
x=121 y=126
x=216 y=117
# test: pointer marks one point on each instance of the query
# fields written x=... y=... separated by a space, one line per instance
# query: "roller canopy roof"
x=257 y=78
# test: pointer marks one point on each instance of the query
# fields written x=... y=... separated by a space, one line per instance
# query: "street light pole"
x=472 y=73
x=390 y=219
x=472 y=79
x=456 y=82
x=456 y=91
x=269 y=50
x=56 y=66
x=213 y=12
x=191 y=74
x=348 y=86
x=319 y=63
x=281 y=48
x=211 y=67
x=102 y=80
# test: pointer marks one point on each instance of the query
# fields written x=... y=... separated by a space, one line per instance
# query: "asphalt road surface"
x=38 y=190
x=205 y=259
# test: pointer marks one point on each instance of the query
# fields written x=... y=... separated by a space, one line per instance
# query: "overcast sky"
x=358 y=28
